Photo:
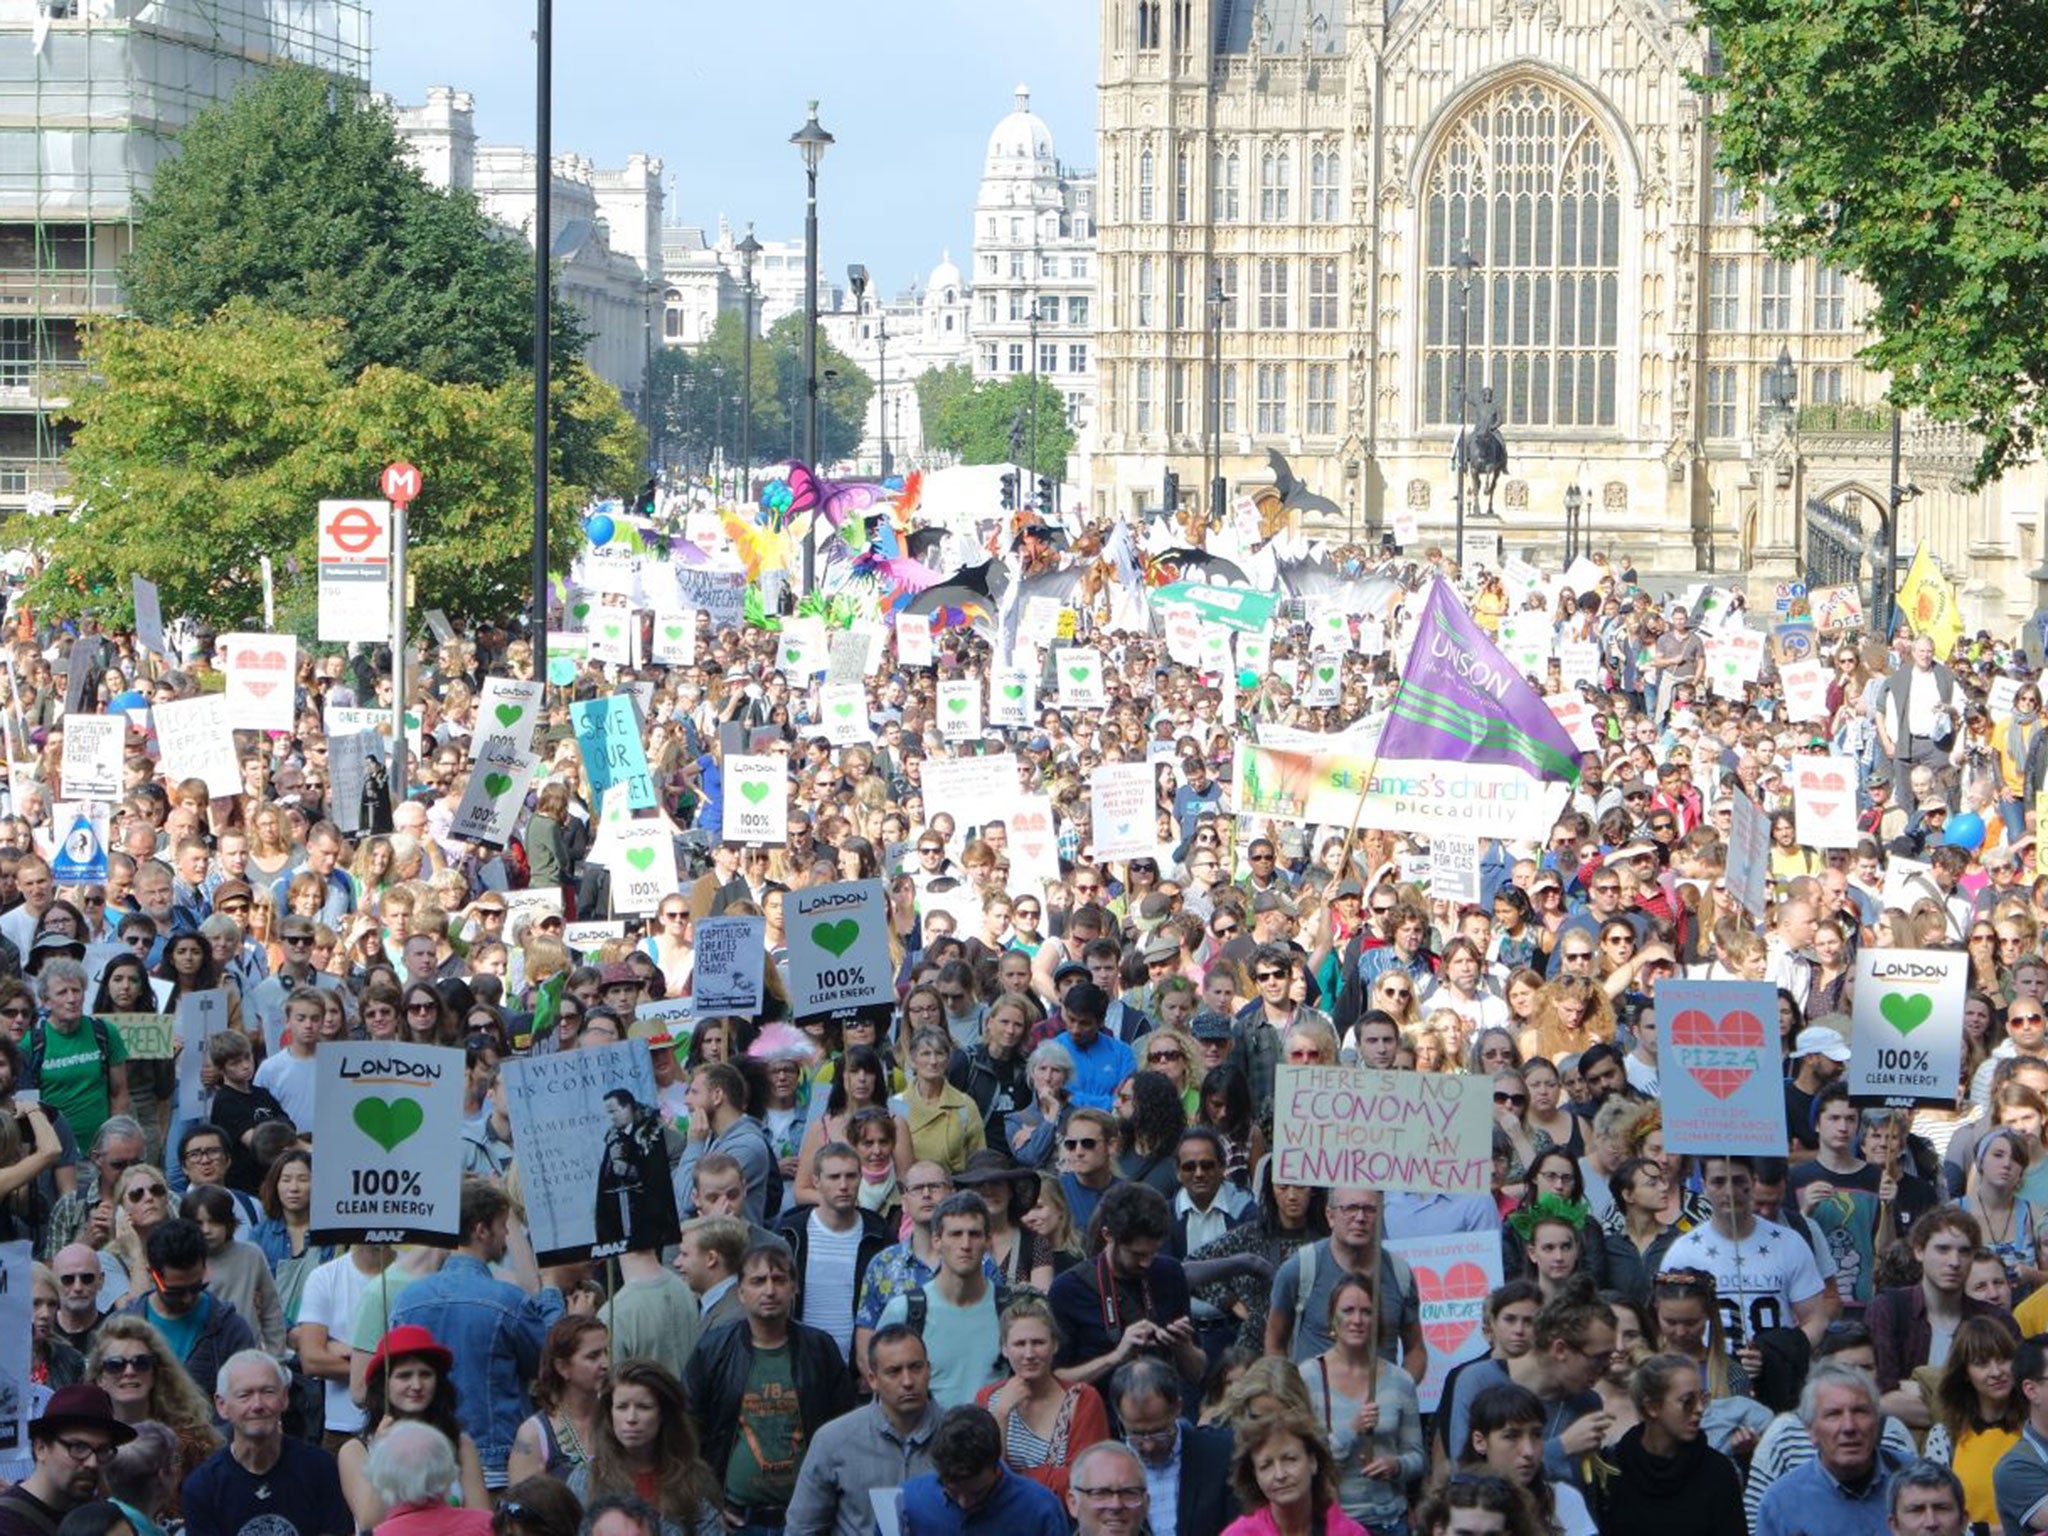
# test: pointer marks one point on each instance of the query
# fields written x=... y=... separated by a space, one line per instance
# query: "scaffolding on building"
x=93 y=94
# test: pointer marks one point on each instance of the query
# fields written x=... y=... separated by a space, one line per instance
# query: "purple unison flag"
x=1461 y=701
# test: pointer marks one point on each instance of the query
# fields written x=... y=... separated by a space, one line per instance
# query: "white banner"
x=195 y=741
x=1080 y=677
x=93 y=754
x=1806 y=690
x=1906 y=1035
x=262 y=681
x=642 y=859
x=959 y=708
x=388 y=1119
x=1453 y=1277
x=675 y=639
x=511 y=707
x=1012 y=696
x=843 y=714
x=971 y=790
x=914 y=639
x=1824 y=802
x=1124 y=810
x=1034 y=844
x=839 y=948
x=18 y=1401
x=494 y=796
x=756 y=808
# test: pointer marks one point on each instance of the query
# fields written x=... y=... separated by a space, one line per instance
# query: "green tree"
x=1903 y=142
x=687 y=387
x=994 y=424
x=938 y=388
x=203 y=446
x=297 y=193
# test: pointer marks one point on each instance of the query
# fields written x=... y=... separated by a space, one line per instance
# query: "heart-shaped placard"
x=1460 y=1286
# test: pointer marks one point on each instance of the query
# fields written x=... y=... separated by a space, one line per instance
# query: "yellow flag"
x=1928 y=602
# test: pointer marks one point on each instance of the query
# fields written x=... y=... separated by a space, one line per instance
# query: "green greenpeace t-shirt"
x=73 y=1076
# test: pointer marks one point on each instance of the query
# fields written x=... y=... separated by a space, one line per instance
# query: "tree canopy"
x=1905 y=143
x=978 y=422
x=203 y=446
x=297 y=194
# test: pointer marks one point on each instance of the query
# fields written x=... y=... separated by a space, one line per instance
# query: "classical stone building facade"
x=1287 y=190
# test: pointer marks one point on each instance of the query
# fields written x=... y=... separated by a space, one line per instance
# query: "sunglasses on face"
x=1513 y=1100
x=142 y=1192
x=1082 y=1143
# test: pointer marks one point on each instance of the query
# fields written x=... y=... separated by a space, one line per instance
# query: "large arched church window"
x=1527 y=179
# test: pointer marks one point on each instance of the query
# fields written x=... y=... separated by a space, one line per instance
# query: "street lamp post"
x=1465 y=262
x=1032 y=333
x=811 y=142
x=749 y=248
x=857 y=280
x=1574 y=506
x=543 y=185
x=714 y=452
x=1214 y=467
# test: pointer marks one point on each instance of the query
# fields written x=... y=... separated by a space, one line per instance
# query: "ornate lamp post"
x=811 y=142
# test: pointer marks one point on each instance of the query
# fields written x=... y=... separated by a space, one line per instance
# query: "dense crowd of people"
x=1010 y=1255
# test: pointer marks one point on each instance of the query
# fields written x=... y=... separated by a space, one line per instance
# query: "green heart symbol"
x=507 y=713
x=1905 y=1013
x=755 y=791
x=641 y=859
x=388 y=1122
x=673 y=631
x=580 y=611
x=1079 y=674
x=495 y=784
x=837 y=938
x=1013 y=690
x=843 y=711
x=956 y=704
x=791 y=656
x=611 y=631
x=1326 y=673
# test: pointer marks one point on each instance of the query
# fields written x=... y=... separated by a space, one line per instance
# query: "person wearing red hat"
x=408 y=1381
x=72 y=1439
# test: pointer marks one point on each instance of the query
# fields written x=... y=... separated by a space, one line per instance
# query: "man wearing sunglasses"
x=266 y=1000
x=202 y=1330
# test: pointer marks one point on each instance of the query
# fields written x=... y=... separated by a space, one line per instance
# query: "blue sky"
x=909 y=88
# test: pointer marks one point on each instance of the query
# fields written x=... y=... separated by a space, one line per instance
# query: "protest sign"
x=1749 y=855
x=614 y=636
x=1034 y=844
x=1453 y=1277
x=1453 y=868
x=262 y=681
x=1576 y=717
x=971 y=790
x=1792 y=642
x=1734 y=658
x=195 y=741
x=1254 y=652
x=1721 y=1083
x=93 y=752
x=1578 y=661
x=1322 y=683
x=1999 y=701
x=608 y=735
x=1012 y=696
x=585 y=1199
x=80 y=857
x=1906 y=1035
x=147 y=1036
x=1824 y=802
x=838 y=947
x=802 y=654
x=513 y=708
x=959 y=704
x=1835 y=608
x=756 y=806
x=843 y=712
x=494 y=796
x=388 y=1121
x=18 y=1402
x=348 y=778
x=149 y=617
x=642 y=861
x=1039 y=621
x=1355 y=1127
x=589 y=938
x=1126 y=822
x=721 y=596
x=1079 y=670
x=675 y=639
x=1806 y=690
x=1183 y=628
x=914 y=639
x=727 y=974
x=347 y=720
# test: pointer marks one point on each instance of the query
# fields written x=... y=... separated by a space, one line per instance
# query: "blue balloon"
x=1965 y=831
x=600 y=530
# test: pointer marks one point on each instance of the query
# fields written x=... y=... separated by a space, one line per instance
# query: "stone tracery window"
x=1528 y=178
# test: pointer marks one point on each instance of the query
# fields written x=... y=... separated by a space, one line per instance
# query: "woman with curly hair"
x=144 y=1380
x=1150 y=1131
x=409 y=1378
x=1571 y=1014
x=1286 y=1477
x=647 y=1446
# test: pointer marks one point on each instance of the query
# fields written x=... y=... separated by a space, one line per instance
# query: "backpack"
x=1305 y=1255
x=917 y=1311
x=39 y=1045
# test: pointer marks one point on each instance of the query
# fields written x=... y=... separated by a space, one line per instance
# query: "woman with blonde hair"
x=142 y=1203
x=130 y=1361
x=1270 y=1385
x=1426 y=1042
x=1052 y=1220
x=1045 y=1423
x=1395 y=993
x=1571 y=1014
x=1285 y=1478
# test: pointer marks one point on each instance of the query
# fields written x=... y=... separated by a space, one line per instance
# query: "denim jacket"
x=495 y=1331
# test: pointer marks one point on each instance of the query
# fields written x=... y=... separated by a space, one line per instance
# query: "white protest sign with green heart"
x=959 y=708
x=495 y=795
x=843 y=714
x=1906 y=1034
x=642 y=861
x=1012 y=696
x=614 y=635
x=801 y=655
x=756 y=800
x=510 y=708
x=1079 y=670
x=1322 y=685
x=675 y=638
x=838 y=947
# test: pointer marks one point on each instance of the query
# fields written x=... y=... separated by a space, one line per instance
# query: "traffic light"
x=1044 y=499
x=1169 y=492
x=1010 y=491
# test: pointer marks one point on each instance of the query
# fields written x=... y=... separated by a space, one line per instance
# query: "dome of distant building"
x=945 y=282
x=1021 y=141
